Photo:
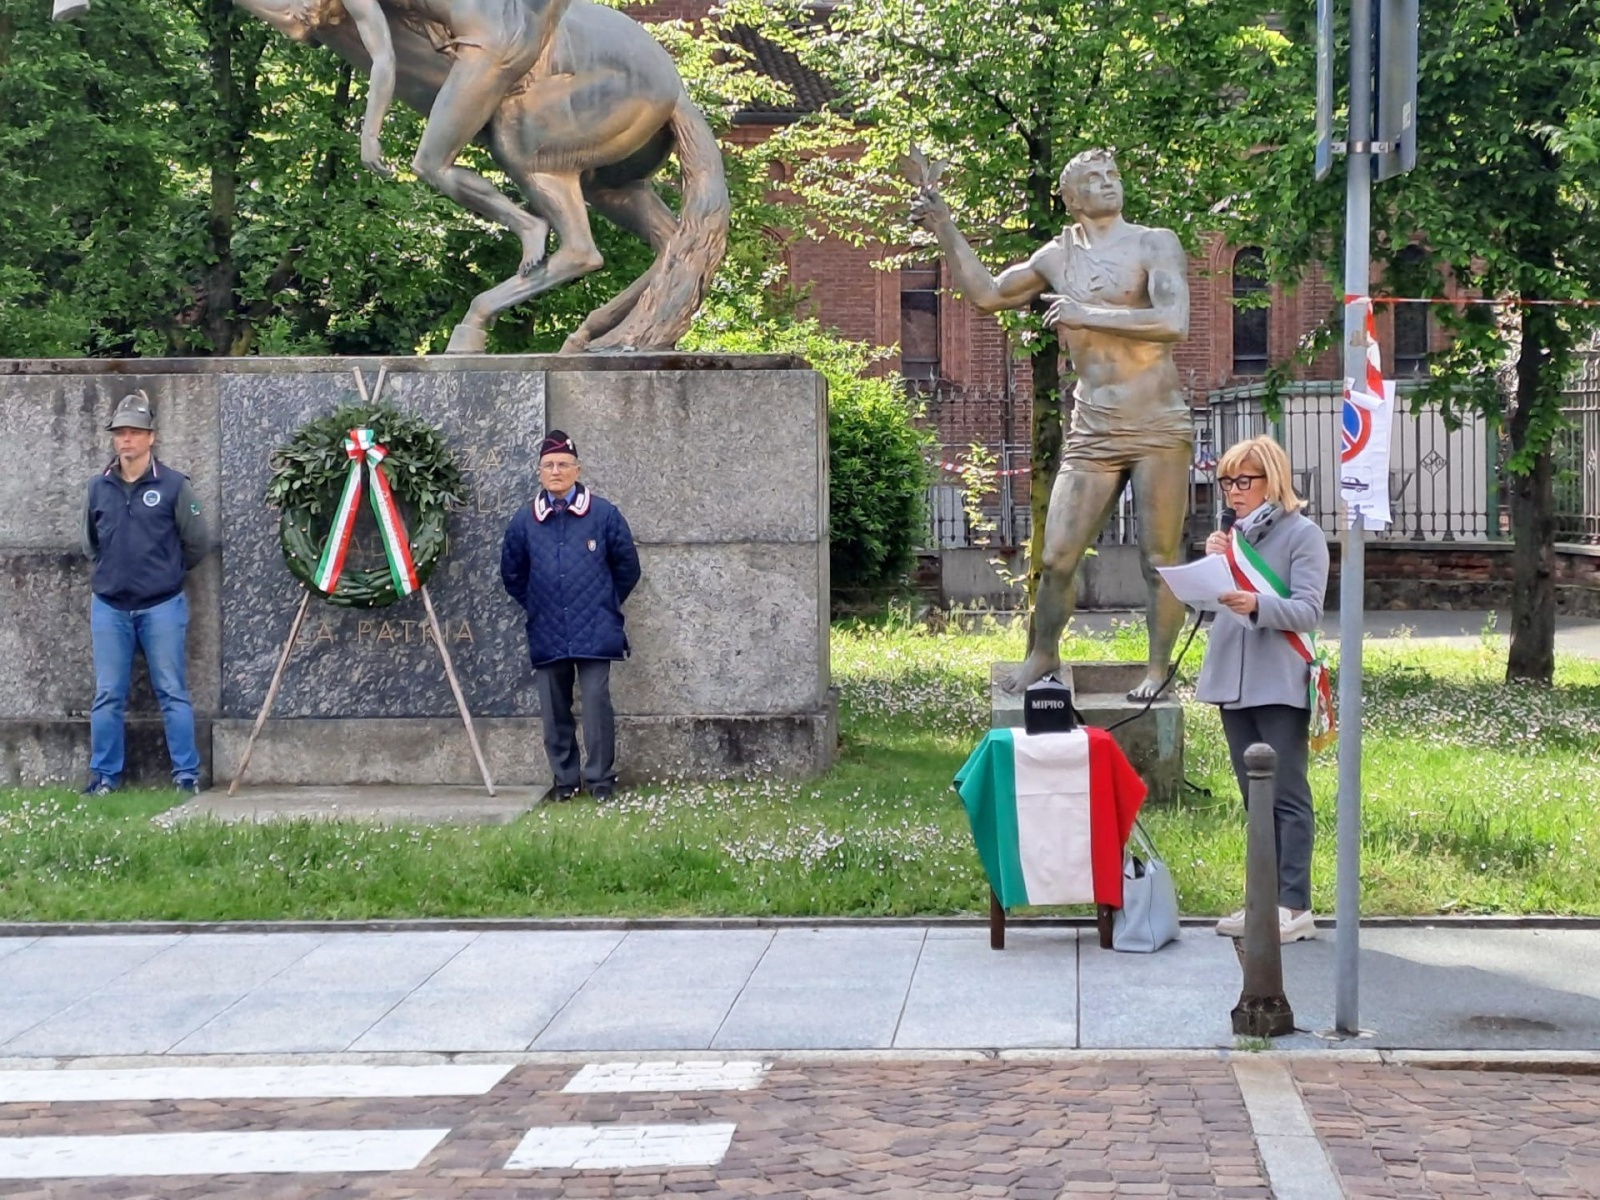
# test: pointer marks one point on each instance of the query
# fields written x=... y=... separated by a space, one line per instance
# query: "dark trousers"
x=554 y=682
x=1285 y=730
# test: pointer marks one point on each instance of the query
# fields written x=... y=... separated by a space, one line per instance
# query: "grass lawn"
x=1478 y=798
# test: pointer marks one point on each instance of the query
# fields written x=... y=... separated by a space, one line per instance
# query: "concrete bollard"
x=1263 y=1010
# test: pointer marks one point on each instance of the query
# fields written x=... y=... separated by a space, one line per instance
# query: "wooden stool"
x=997 y=923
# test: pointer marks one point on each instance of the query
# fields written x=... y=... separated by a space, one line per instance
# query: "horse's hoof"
x=467 y=339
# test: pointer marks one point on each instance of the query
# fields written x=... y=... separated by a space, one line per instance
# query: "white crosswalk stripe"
x=334 y=1082
x=226 y=1153
x=694 y=1076
x=619 y=1147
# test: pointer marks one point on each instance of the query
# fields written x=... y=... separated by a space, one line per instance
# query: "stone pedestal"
x=1153 y=741
x=718 y=463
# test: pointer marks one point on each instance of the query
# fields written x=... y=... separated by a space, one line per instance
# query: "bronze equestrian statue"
x=577 y=103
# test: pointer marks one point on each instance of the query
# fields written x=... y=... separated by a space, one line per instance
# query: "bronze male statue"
x=577 y=103
x=1119 y=303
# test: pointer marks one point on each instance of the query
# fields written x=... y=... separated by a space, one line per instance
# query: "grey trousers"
x=554 y=682
x=1285 y=730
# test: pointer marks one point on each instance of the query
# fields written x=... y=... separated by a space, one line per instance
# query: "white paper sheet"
x=1200 y=583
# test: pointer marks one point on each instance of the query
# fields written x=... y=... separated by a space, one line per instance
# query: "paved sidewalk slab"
x=902 y=987
x=499 y=993
x=328 y=998
x=659 y=990
x=964 y=994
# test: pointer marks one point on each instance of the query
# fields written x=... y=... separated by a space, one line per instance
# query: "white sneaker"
x=1296 y=929
x=1290 y=928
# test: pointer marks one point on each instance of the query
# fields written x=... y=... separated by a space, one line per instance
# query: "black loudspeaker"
x=1047 y=707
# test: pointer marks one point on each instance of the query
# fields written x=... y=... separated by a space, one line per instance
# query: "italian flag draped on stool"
x=1051 y=813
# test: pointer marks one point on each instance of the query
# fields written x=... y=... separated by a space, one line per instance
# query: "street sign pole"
x=1352 y=561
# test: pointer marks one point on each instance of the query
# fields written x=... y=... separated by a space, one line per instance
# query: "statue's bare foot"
x=1034 y=668
x=1149 y=686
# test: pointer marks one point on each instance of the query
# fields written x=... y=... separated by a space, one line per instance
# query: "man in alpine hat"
x=569 y=560
x=143 y=531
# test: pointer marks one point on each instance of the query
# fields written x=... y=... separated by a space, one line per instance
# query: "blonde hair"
x=1266 y=454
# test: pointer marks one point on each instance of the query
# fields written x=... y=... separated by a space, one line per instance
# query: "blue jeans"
x=161 y=632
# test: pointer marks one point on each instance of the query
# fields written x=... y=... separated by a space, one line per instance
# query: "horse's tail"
x=692 y=254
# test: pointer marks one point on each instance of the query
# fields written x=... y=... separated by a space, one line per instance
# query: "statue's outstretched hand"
x=372 y=155
x=928 y=208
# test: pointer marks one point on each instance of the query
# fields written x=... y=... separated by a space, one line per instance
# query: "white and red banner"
x=1366 y=420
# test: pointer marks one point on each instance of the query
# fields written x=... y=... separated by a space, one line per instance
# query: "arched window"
x=1251 y=319
x=1412 y=323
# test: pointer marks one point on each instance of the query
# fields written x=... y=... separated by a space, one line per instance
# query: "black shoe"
x=601 y=792
x=188 y=787
x=98 y=787
x=564 y=793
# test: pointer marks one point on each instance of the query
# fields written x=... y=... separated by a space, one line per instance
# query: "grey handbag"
x=1148 y=918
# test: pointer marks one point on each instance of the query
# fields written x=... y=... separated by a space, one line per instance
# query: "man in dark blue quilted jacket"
x=569 y=560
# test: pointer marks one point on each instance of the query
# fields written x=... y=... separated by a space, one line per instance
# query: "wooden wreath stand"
x=294 y=633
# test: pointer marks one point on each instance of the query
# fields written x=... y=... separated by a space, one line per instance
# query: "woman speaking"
x=1264 y=671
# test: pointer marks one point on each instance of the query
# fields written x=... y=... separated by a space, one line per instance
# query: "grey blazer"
x=1250 y=665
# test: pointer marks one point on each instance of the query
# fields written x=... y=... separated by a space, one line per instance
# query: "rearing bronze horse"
x=577 y=103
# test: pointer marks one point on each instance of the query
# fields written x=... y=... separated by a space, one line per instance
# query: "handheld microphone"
x=1227 y=519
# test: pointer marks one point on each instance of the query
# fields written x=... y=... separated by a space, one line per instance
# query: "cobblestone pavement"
x=1175 y=1127
x=1393 y=1132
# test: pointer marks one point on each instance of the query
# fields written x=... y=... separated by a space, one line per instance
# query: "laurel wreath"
x=308 y=475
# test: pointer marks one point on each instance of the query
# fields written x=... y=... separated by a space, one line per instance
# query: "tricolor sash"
x=362 y=448
x=1252 y=574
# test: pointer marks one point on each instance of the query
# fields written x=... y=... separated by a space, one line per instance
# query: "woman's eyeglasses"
x=1229 y=483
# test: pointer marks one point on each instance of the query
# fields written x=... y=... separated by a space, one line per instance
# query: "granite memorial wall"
x=719 y=464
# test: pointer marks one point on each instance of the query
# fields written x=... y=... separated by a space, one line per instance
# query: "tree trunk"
x=220 y=280
x=1533 y=592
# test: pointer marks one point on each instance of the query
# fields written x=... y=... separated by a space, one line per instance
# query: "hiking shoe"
x=98 y=786
x=601 y=792
x=564 y=792
x=1231 y=925
x=188 y=787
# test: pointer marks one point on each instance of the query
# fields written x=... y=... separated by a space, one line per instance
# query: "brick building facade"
x=960 y=354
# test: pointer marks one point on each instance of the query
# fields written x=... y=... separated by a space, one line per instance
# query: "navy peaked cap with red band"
x=556 y=442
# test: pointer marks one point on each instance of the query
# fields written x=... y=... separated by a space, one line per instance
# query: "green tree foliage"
x=1506 y=198
x=179 y=179
x=877 y=453
x=1008 y=91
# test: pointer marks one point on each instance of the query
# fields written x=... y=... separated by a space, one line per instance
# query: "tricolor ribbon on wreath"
x=362 y=448
x=1252 y=574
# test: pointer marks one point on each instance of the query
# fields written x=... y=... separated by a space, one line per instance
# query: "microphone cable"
x=1226 y=520
x=1177 y=661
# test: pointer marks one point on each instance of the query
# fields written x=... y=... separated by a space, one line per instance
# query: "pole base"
x=1263 y=1017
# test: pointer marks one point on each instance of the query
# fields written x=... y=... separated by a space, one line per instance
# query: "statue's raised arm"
x=1015 y=287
